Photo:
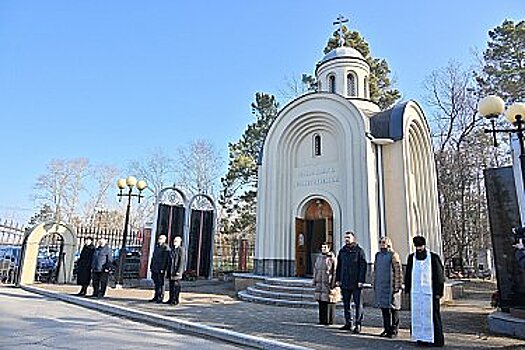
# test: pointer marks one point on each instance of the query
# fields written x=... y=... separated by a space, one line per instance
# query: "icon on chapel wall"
x=301 y=239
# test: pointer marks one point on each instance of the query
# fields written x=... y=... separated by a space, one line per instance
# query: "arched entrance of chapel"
x=312 y=229
x=31 y=247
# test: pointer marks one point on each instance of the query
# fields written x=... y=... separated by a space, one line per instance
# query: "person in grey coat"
x=158 y=267
x=388 y=281
x=102 y=259
x=326 y=293
x=177 y=264
x=350 y=276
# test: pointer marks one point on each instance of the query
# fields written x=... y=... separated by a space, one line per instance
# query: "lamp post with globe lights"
x=492 y=107
x=130 y=182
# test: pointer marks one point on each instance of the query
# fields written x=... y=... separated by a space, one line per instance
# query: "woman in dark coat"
x=388 y=282
x=84 y=266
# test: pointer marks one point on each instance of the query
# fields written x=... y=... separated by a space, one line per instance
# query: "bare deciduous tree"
x=158 y=170
x=61 y=185
x=199 y=168
x=104 y=179
x=462 y=151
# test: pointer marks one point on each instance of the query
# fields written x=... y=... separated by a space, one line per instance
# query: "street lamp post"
x=491 y=107
x=130 y=182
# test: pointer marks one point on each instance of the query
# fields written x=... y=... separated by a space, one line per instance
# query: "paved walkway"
x=213 y=303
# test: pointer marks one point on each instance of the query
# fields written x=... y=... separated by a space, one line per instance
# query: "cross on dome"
x=339 y=21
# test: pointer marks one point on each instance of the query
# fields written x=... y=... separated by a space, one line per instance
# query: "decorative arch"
x=210 y=202
x=422 y=178
x=168 y=195
x=302 y=206
x=31 y=245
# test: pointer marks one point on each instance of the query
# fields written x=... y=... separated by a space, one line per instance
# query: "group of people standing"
x=167 y=263
x=94 y=264
x=423 y=280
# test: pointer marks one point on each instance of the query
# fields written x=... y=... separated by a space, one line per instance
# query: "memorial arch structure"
x=31 y=245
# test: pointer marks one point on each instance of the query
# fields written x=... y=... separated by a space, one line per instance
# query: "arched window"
x=331 y=83
x=317 y=145
x=366 y=88
x=350 y=85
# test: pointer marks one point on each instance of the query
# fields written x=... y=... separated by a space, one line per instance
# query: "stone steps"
x=291 y=292
x=279 y=295
x=285 y=289
x=246 y=296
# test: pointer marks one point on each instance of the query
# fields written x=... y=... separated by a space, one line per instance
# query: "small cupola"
x=344 y=71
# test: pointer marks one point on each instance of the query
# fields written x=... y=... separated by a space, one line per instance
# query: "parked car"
x=9 y=262
x=132 y=264
x=131 y=251
x=46 y=264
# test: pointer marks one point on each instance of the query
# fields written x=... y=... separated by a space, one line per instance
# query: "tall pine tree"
x=239 y=194
x=381 y=90
x=503 y=71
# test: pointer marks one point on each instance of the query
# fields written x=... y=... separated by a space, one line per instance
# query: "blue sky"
x=114 y=80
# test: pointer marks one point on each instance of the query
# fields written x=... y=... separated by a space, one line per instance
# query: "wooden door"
x=300 y=247
x=330 y=231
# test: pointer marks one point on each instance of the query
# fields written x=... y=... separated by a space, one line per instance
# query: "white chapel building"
x=333 y=161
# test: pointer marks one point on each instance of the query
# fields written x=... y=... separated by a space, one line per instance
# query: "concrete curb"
x=168 y=322
x=504 y=323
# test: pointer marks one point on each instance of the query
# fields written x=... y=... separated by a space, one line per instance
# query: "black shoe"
x=92 y=296
x=384 y=334
x=346 y=327
x=152 y=300
x=357 y=329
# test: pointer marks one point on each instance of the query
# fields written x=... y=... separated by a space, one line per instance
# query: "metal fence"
x=11 y=233
x=237 y=256
x=114 y=238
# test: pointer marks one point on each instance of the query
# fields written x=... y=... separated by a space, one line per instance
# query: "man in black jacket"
x=425 y=281
x=84 y=266
x=102 y=259
x=350 y=275
x=158 y=267
x=175 y=270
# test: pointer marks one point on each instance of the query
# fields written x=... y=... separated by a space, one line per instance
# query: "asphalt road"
x=30 y=321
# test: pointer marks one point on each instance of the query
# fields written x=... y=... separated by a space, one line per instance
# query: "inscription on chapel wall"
x=317 y=176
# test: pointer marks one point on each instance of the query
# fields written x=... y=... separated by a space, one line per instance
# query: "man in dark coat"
x=424 y=280
x=158 y=267
x=350 y=276
x=177 y=264
x=100 y=264
x=84 y=266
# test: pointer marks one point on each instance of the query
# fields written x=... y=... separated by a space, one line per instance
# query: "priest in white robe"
x=424 y=280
